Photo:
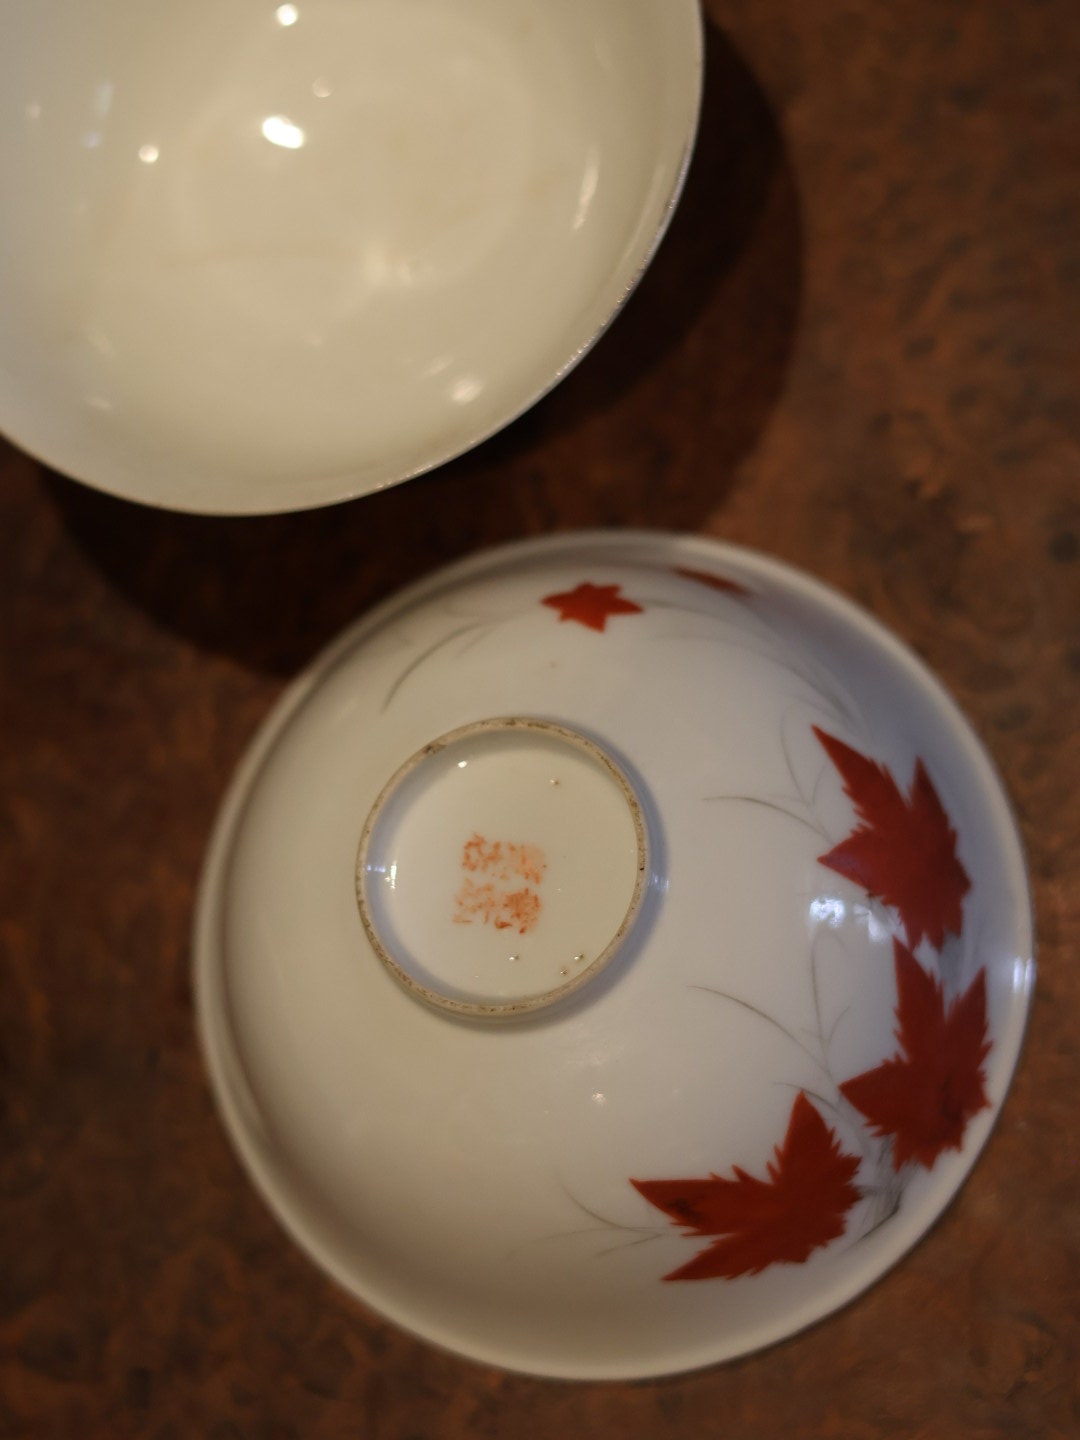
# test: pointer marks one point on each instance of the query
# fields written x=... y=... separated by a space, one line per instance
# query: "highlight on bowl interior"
x=267 y=258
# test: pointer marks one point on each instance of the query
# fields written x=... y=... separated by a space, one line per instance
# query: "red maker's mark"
x=492 y=892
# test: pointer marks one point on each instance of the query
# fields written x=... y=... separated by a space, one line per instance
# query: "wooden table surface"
x=859 y=349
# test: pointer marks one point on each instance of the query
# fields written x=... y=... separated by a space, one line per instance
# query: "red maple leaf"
x=715 y=582
x=800 y=1208
x=904 y=851
x=924 y=1096
x=591 y=605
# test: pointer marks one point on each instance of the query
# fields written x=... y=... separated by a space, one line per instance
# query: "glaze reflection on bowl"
x=547 y=1121
x=267 y=257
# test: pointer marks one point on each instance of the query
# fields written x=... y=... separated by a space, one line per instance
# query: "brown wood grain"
x=859 y=349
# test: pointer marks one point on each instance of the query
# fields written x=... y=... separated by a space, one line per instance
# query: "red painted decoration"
x=801 y=1207
x=496 y=897
x=904 y=851
x=591 y=605
x=924 y=1096
x=715 y=582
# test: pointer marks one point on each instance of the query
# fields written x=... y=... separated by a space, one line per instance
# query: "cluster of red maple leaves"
x=903 y=852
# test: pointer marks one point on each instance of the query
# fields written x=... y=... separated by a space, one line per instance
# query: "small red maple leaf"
x=924 y=1096
x=800 y=1208
x=591 y=605
x=904 y=851
x=715 y=582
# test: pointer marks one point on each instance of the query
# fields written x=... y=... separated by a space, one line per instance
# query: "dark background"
x=859 y=349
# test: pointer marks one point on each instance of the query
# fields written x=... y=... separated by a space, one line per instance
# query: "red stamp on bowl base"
x=497 y=888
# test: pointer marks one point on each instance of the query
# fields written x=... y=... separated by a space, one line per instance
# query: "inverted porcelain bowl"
x=261 y=257
x=612 y=955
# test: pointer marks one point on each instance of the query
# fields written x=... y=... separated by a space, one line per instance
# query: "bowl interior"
x=264 y=258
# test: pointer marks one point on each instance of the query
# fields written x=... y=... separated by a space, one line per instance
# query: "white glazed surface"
x=262 y=257
x=472 y=1181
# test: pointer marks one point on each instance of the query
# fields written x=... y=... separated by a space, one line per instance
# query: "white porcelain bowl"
x=612 y=955
x=261 y=257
